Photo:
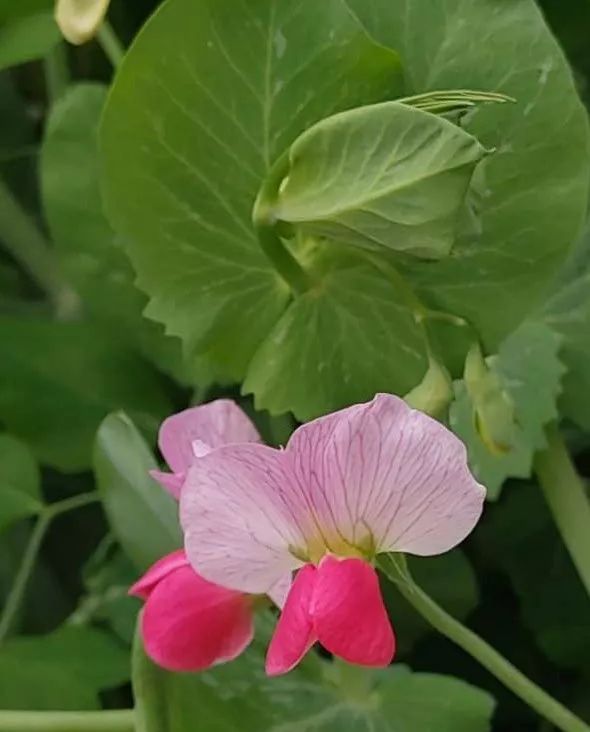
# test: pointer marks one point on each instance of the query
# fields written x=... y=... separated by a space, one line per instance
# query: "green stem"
x=395 y=568
x=264 y=220
x=70 y=504
x=23 y=240
x=107 y=721
x=110 y=44
x=27 y=565
x=567 y=501
x=19 y=586
x=56 y=72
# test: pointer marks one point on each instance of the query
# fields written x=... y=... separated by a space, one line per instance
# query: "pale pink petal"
x=381 y=473
x=217 y=423
x=189 y=624
x=349 y=616
x=279 y=591
x=294 y=634
x=239 y=511
x=156 y=573
x=172 y=482
x=200 y=448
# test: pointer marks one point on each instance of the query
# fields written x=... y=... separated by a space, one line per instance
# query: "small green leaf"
x=209 y=96
x=529 y=370
x=315 y=697
x=58 y=380
x=92 y=255
x=143 y=517
x=63 y=670
x=27 y=38
x=386 y=175
x=337 y=344
x=20 y=480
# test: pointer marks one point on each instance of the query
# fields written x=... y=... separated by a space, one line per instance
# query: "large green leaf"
x=20 y=494
x=385 y=175
x=316 y=697
x=340 y=342
x=91 y=254
x=530 y=196
x=63 y=670
x=209 y=95
x=568 y=312
x=142 y=515
x=26 y=37
x=58 y=380
x=529 y=370
x=10 y=9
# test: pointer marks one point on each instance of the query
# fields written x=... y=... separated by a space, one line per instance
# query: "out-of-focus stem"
x=567 y=501
x=107 y=721
x=24 y=241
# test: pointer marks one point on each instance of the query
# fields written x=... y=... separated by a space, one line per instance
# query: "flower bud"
x=79 y=20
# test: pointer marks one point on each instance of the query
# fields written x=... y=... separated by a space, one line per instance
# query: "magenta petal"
x=217 y=423
x=294 y=634
x=172 y=482
x=189 y=624
x=156 y=573
x=349 y=616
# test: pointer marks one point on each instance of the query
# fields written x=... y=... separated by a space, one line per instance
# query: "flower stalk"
x=265 y=223
x=106 y=721
x=395 y=568
x=111 y=45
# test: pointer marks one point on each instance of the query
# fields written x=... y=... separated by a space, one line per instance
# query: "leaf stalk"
x=265 y=224
x=23 y=240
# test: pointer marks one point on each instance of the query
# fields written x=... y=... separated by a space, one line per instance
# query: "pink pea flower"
x=190 y=434
x=189 y=623
x=375 y=477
